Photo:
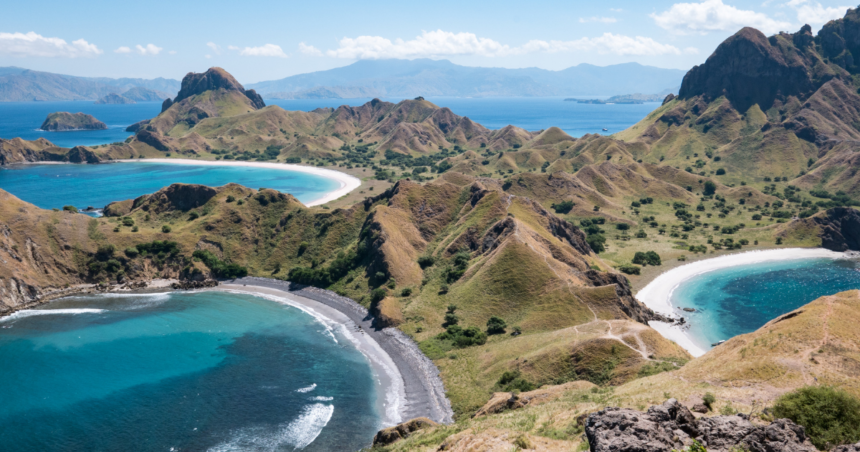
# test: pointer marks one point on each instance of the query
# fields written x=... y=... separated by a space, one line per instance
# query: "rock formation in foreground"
x=63 y=120
x=673 y=426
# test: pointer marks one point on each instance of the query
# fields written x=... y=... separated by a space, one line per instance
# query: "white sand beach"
x=347 y=183
x=657 y=295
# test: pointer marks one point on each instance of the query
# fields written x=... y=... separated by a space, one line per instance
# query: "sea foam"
x=299 y=433
x=32 y=312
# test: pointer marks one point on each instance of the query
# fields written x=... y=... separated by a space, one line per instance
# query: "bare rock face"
x=673 y=426
x=213 y=79
x=840 y=229
x=848 y=448
x=182 y=197
x=400 y=431
x=82 y=154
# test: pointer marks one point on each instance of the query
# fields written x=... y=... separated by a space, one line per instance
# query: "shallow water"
x=184 y=371
x=741 y=299
x=53 y=186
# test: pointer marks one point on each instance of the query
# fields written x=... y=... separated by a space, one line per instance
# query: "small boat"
x=605 y=129
x=718 y=343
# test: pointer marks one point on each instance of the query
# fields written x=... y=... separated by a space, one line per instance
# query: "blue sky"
x=266 y=40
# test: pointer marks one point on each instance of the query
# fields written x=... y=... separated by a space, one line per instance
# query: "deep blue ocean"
x=22 y=119
x=53 y=186
x=739 y=300
x=206 y=371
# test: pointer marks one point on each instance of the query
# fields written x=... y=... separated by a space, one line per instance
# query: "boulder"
x=672 y=426
x=400 y=431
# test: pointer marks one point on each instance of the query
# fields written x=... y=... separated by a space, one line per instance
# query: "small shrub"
x=70 y=209
x=512 y=380
x=708 y=399
x=629 y=269
x=563 y=207
x=426 y=261
x=406 y=292
x=127 y=221
x=230 y=198
x=622 y=226
x=131 y=252
x=721 y=171
x=496 y=325
x=165 y=229
x=647 y=258
x=376 y=295
x=193 y=216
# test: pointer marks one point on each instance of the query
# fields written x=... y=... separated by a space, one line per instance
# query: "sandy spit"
x=657 y=295
x=347 y=183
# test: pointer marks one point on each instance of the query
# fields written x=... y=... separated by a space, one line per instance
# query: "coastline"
x=408 y=386
x=657 y=295
x=347 y=183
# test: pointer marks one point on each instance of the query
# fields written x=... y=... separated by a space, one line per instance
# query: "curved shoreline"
x=409 y=379
x=347 y=183
x=657 y=295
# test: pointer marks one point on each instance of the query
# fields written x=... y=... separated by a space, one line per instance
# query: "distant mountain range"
x=23 y=85
x=423 y=77
x=373 y=78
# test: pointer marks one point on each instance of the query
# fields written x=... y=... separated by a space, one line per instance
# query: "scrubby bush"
x=708 y=399
x=463 y=338
x=710 y=188
x=132 y=252
x=597 y=242
x=647 y=258
x=629 y=269
x=220 y=268
x=406 y=292
x=512 y=380
x=426 y=261
x=193 y=216
x=721 y=171
x=230 y=198
x=376 y=295
x=70 y=209
x=165 y=229
x=563 y=207
x=128 y=221
x=830 y=416
x=496 y=326
x=622 y=226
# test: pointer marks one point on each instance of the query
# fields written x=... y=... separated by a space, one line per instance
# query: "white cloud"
x=232 y=47
x=617 y=10
x=605 y=20
x=122 y=49
x=33 y=44
x=714 y=15
x=614 y=44
x=215 y=47
x=309 y=50
x=814 y=13
x=442 y=43
x=265 y=50
x=150 y=49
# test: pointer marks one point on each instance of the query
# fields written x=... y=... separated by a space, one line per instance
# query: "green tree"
x=710 y=188
x=597 y=242
x=496 y=326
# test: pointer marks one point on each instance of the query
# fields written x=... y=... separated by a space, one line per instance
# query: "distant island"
x=636 y=98
x=114 y=98
x=63 y=120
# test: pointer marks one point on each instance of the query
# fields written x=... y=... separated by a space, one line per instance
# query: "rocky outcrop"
x=193 y=284
x=114 y=98
x=153 y=139
x=672 y=426
x=183 y=197
x=63 y=120
x=137 y=126
x=848 y=448
x=840 y=229
x=400 y=431
x=82 y=154
x=213 y=79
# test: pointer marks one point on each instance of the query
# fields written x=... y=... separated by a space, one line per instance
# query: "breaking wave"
x=299 y=433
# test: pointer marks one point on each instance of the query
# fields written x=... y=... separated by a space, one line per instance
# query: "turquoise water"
x=53 y=186
x=183 y=371
x=739 y=300
x=23 y=119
